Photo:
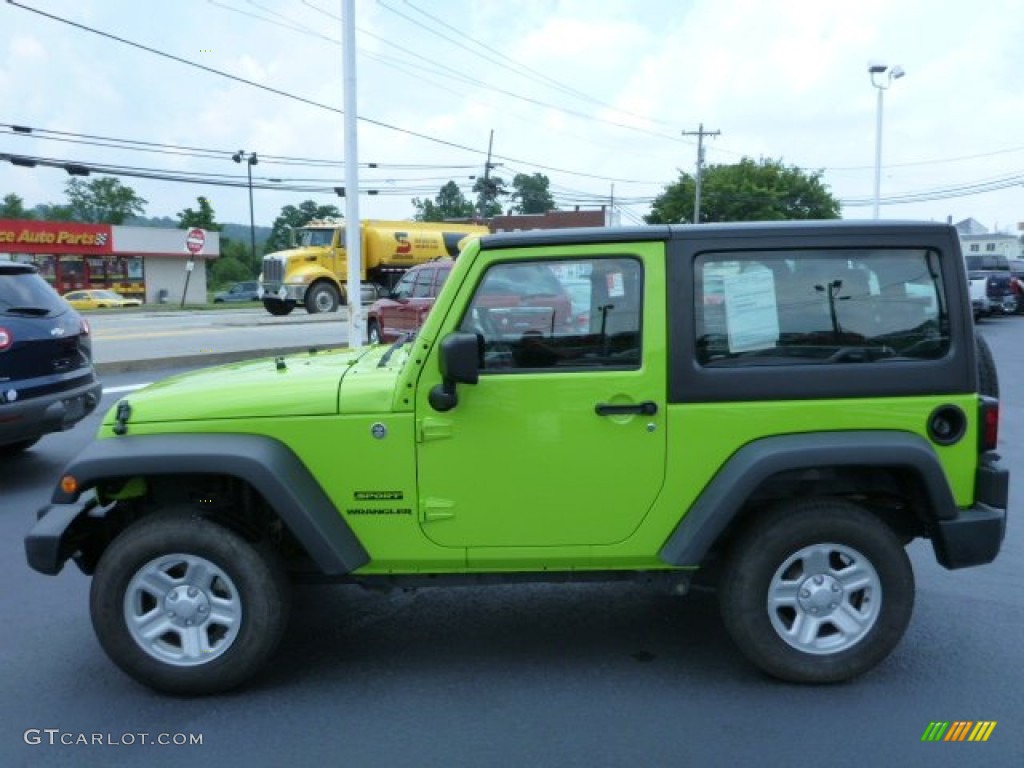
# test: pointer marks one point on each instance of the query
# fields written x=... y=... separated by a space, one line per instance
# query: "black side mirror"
x=460 y=364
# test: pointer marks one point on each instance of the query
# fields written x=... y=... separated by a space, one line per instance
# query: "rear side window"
x=442 y=276
x=988 y=263
x=27 y=292
x=424 y=279
x=817 y=307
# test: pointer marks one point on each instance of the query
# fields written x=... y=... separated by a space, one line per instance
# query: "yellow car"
x=99 y=300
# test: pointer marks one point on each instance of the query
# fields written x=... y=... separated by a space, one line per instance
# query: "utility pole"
x=353 y=226
x=487 y=176
x=700 y=133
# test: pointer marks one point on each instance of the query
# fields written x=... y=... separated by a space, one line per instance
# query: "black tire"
x=853 y=627
x=13 y=449
x=373 y=335
x=243 y=585
x=278 y=308
x=988 y=376
x=322 y=297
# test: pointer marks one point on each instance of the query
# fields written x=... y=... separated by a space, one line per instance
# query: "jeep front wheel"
x=187 y=606
x=817 y=591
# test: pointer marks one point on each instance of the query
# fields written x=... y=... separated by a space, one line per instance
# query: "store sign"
x=18 y=236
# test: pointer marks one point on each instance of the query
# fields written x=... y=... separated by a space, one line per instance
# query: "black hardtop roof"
x=579 y=235
x=16 y=267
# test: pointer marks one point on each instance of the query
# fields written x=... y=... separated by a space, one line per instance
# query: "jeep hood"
x=295 y=385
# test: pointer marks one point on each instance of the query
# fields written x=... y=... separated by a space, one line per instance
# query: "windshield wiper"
x=39 y=311
x=394 y=348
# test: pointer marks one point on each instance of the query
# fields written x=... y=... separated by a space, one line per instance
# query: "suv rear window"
x=989 y=262
x=23 y=293
x=783 y=308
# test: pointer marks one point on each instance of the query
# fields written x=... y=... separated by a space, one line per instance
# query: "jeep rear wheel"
x=817 y=591
x=988 y=376
x=187 y=606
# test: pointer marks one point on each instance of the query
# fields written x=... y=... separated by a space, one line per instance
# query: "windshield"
x=27 y=291
x=988 y=263
x=311 y=237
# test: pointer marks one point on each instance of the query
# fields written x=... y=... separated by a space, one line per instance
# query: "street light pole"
x=877 y=68
x=251 y=160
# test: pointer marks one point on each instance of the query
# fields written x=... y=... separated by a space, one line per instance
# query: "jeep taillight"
x=988 y=430
x=6 y=339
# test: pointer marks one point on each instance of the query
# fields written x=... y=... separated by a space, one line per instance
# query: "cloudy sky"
x=593 y=93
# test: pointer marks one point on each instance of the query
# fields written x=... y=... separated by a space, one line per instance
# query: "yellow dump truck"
x=314 y=272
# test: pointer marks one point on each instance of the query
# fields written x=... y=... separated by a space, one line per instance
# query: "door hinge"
x=432 y=510
x=434 y=429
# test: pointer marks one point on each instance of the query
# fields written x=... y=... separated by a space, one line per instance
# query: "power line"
x=24 y=131
x=305 y=100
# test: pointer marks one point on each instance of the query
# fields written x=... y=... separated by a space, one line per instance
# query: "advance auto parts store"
x=138 y=262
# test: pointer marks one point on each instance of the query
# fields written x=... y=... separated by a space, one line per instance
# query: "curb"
x=204 y=360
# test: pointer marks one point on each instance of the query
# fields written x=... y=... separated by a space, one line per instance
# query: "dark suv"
x=47 y=380
x=995 y=268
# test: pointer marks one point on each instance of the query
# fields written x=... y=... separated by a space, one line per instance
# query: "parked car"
x=99 y=299
x=403 y=310
x=47 y=380
x=247 y=291
x=995 y=268
x=1017 y=284
x=790 y=404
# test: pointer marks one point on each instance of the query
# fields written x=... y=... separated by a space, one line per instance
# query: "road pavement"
x=155 y=339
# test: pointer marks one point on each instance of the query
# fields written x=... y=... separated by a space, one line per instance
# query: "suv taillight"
x=988 y=427
x=6 y=339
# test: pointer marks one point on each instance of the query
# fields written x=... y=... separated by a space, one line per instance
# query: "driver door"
x=562 y=442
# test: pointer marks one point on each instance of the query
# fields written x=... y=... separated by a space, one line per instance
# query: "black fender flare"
x=755 y=462
x=268 y=465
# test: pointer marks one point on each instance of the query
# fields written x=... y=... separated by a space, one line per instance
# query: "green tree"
x=13 y=207
x=750 y=190
x=532 y=193
x=56 y=212
x=204 y=218
x=239 y=251
x=293 y=217
x=450 y=203
x=103 y=201
x=488 y=192
x=228 y=269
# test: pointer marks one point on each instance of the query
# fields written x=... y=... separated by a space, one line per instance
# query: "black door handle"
x=647 y=408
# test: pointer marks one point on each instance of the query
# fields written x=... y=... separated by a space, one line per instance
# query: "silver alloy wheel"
x=374 y=334
x=182 y=610
x=824 y=598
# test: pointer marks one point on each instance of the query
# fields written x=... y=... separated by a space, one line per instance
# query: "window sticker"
x=616 y=286
x=751 y=315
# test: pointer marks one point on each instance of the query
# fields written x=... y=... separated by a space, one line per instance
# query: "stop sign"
x=194 y=241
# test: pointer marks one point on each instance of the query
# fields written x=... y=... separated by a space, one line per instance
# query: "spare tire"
x=988 y=376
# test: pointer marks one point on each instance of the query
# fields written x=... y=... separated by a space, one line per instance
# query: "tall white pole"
x=878 y=150
x=353 y=227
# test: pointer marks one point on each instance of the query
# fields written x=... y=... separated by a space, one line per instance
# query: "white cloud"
x=783 y=80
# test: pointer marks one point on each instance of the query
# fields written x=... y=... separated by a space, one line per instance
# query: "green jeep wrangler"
x=778 y=407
